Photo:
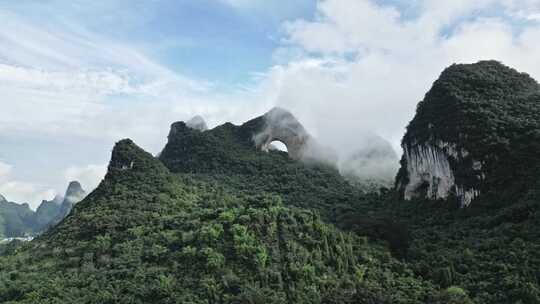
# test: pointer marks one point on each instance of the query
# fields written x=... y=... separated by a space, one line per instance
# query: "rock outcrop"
x=472 y=133
x=281 y=125
x=230 y=147
x=186 y=142
x=74 y=194
x=430 y=173
x=50 y=213
x=197 y=123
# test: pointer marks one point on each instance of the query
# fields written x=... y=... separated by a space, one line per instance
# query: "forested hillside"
x=214 y=219
x=146 y=235
x=484 y=118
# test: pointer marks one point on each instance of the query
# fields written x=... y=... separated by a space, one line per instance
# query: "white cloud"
x=89 y=176
x=238 y=3
x=275 y=11
x=68 y=81
x=535 y=16
x=22 y=192
x=522 y=8
x=96 y=83
x=5 y=169
x=370 y=65
x=60 y=80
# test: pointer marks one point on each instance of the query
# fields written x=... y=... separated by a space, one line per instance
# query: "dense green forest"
x=146 y=235
x=492 y=112
x=214 y=220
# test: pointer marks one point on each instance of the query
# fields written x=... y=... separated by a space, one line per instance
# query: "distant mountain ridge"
x=17 y=220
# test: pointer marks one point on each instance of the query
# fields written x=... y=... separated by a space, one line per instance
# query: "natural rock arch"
x=282 y=126
x=277 y=145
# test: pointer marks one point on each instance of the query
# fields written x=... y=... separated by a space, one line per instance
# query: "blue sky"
x=209 y=45
x=78 y=75
x=221 y=41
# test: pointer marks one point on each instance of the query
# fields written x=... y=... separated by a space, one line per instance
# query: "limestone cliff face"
x=429 y=172
x=475 y=131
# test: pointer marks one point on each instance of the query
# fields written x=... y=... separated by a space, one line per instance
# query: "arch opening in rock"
x=278 y=145
x=281 y=125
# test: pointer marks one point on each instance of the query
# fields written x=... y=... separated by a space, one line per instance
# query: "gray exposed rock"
x=197 y=123
x=281 y=125
x=74 y=192
x=471 y=134
x=49 y=213
x=430 y=173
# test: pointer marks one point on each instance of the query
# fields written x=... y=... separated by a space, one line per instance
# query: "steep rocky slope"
x=48 y=211
x=74 y=194
x=476 y=130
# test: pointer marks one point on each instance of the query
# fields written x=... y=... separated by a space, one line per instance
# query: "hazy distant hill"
x=17 y=220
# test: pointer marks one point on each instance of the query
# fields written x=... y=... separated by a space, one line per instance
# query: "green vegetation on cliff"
x=490 y=111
